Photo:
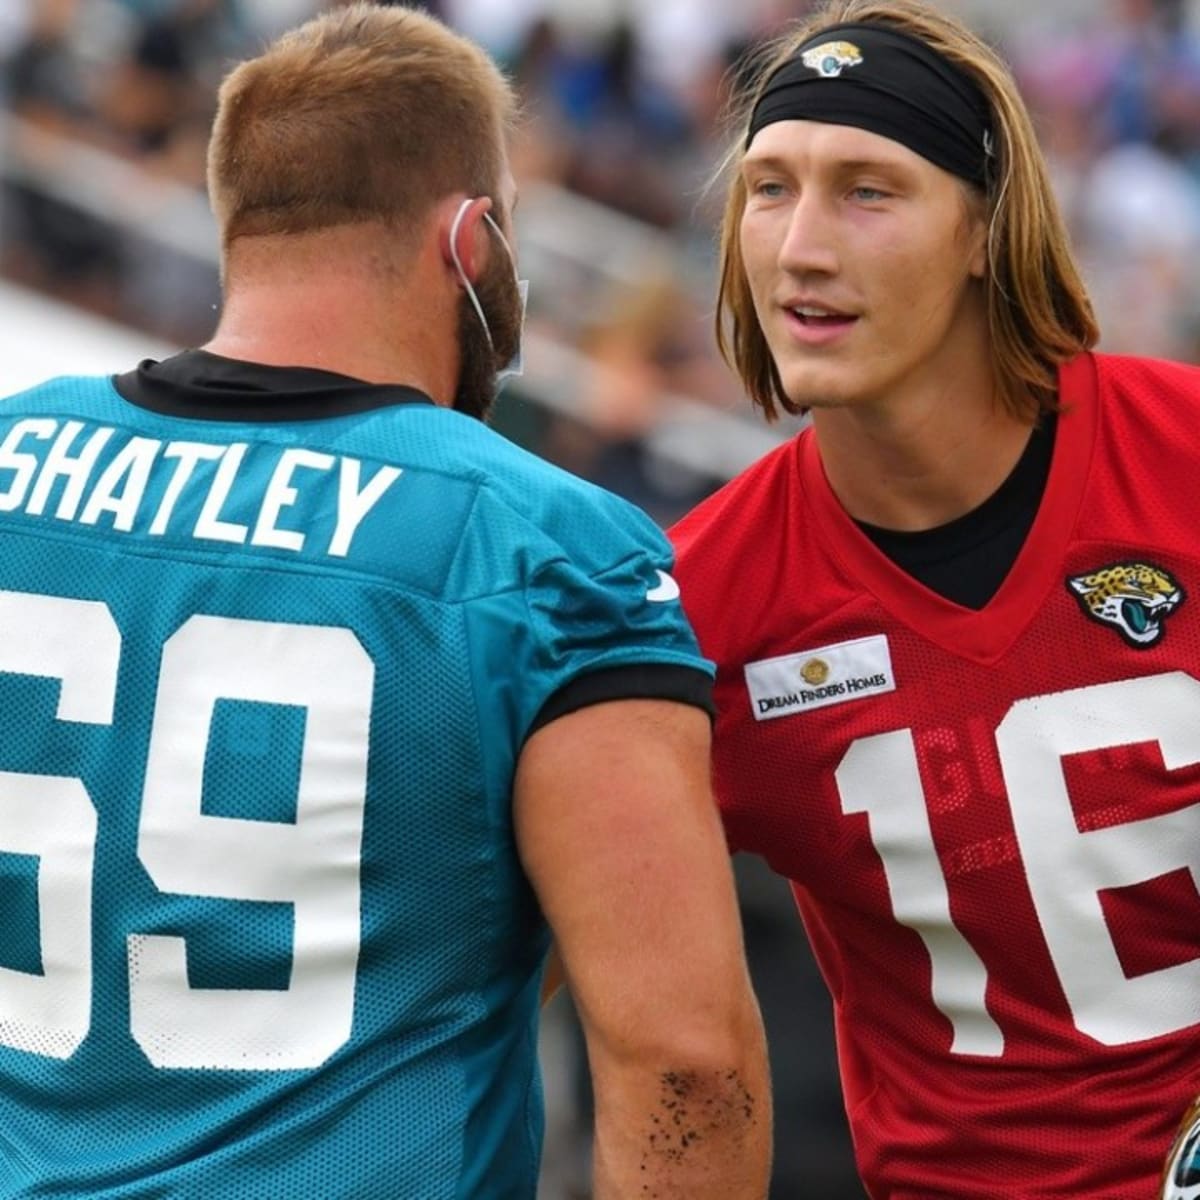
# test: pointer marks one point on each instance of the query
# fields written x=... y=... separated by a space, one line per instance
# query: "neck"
x=326 y=301
x=935 y=447
x=918 y=467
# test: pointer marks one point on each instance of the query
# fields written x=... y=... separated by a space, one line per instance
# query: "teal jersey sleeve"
x=591 y=592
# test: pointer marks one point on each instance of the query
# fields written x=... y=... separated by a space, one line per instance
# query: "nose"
x=810 y=243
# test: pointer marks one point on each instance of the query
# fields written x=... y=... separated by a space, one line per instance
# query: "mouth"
x=817 y=315
x=816 y=322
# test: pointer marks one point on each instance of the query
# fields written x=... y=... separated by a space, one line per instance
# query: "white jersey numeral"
x=879 y=777
x=53 y=817
x=1066 y=867
x=311 y=863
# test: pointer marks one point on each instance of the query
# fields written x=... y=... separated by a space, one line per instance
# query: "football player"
x=956 y=623
x=324 y=706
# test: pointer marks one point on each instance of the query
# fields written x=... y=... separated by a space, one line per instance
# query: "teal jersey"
x=264 y=933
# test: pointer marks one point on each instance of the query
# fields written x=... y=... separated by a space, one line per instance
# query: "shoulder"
x=54 y=391
x=1137 y=378
x=524 y=514
x=731 y=547
x=739 y=518
x=515 y=491
x=734 y=514
x=1150 y=402
x=570 y=513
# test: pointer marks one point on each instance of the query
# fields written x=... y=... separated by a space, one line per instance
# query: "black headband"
x=888 y=83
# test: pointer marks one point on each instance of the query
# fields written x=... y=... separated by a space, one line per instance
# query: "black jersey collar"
x=1015 y=503
x=204 y=386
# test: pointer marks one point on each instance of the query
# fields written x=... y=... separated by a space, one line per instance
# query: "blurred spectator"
x=1119 y=109
x=649 y=347
x=52 y=243
x=1140 y=224
x=1154 y=90
x=164 y=81
x=623 y=99
x=620 y=131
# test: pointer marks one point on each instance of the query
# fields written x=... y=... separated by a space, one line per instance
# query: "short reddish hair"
x=366 y=113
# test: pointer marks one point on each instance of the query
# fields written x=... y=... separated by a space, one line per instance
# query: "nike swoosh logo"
x=667 y=589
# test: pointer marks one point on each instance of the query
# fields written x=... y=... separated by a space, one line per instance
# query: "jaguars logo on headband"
x=830 y=59
x=1134 y=598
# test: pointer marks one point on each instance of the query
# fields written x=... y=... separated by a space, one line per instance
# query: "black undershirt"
x=967 y=559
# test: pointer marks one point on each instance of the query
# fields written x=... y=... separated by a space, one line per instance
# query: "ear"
x=977 y=263
x=461 y=232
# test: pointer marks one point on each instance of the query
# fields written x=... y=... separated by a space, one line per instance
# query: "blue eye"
x=869 y=194
x=768 y=188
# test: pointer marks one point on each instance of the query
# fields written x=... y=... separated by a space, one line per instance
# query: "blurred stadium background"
x=107 y=256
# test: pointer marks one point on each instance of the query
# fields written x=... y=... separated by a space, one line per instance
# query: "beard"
x=479 y=361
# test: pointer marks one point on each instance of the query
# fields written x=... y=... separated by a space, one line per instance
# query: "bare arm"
x=620 y=836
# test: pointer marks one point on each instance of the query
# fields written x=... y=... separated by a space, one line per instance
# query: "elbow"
x=708 y=1027
x=714 y=1048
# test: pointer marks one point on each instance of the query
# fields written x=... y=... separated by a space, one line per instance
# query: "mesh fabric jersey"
x=263 y=929
x=990 y=818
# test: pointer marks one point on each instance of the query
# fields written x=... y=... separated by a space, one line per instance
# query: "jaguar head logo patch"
x=830 y=59
x=1181 y=1179
x=1134 y=598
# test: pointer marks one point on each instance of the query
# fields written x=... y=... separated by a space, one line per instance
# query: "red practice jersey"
x=991 y=818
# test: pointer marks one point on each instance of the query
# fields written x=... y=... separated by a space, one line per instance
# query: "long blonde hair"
x=1039 y=314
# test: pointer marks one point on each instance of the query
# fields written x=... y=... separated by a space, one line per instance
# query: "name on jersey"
x=236 y=493
x=793 y=683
